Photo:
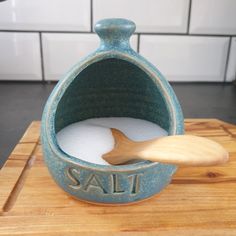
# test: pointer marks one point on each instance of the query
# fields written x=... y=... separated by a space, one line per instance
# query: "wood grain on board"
x=199 y=201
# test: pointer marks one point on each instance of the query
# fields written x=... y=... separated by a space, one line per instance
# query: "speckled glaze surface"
x=112 y=81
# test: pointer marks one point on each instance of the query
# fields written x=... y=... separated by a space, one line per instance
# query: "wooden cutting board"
x=199 y=201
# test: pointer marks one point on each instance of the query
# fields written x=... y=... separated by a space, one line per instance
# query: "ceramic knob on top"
x=115 y=32
x=113 y=81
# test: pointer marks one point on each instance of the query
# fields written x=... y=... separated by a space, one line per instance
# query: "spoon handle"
x=185 y=150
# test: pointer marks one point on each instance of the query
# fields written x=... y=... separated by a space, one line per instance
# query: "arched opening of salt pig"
x=112 y=88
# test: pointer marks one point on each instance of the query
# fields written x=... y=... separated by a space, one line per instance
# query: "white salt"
x=89 y=139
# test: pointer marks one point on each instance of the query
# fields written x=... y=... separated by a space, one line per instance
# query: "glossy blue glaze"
x=112 y=81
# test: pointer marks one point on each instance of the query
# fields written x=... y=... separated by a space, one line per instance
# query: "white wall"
x=188 y=40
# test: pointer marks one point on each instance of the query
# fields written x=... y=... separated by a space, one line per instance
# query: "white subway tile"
x=20 y=56
x=62 y=51
x=187 y=58
x=213 y=17
x=71 y=15
x=231 y=71
x=149 y=15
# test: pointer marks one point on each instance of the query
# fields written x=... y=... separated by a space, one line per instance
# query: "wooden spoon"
x=186 y=150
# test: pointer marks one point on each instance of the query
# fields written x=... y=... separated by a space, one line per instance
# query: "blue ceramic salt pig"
x=113 y=81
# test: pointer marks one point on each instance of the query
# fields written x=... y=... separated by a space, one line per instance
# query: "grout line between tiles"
x=41 y=56
x=138 y=43
x=227 y=59
x=186 y=34
x=46 y=31
x=140 y=33
x=91 y=16
x=56 y=81
x=189 y=15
